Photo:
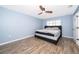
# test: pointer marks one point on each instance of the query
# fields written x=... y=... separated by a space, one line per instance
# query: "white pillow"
x=53 y=28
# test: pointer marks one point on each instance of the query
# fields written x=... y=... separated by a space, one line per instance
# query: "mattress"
x=49 y=37
x=50 y=34
x=53 y=33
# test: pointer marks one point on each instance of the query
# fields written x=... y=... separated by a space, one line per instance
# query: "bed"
x=50 y=33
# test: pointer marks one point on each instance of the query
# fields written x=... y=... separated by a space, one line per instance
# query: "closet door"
x=77 y=26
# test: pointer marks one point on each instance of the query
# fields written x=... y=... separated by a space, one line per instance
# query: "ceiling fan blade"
x=48 y=11
x=70 y=5
x=39 y=13
x=41 y=7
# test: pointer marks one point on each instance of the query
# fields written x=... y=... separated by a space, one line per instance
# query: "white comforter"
x=54 y=32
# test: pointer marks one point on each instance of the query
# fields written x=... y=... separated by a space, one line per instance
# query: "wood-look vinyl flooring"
x=34 y=45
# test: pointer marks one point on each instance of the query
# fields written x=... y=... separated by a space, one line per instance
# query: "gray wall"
x=14 y=25
x=67 y=24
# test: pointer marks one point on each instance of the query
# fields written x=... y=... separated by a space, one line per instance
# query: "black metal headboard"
x=60 y=27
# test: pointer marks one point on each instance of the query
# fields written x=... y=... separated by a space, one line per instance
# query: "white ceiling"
x=33 y=10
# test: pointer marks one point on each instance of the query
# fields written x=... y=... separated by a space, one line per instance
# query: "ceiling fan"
x=43 y=10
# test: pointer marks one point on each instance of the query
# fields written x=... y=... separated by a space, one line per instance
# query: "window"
x=53 y=22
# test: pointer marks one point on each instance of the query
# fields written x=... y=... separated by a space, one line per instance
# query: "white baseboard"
x=68 y=37
x=24 y=38
x=16 y=40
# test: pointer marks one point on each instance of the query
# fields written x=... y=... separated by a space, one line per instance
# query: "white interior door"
x=77 y=27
